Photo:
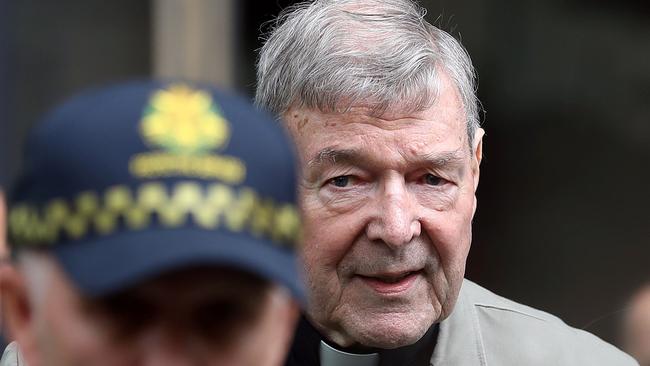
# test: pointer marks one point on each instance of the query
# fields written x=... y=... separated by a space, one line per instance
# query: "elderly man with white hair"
x=383 y=110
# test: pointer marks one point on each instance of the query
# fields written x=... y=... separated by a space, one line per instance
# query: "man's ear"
x=4 y=252
x=477 y=155
x=17 y=312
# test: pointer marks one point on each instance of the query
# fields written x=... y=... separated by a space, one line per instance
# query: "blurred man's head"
x=154 y=224
x=382 y=107
x=636 y=326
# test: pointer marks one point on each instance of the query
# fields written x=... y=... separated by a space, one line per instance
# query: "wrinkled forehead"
x=443 y=100
x=391 y=104
x=435 y=135
x=445 y=116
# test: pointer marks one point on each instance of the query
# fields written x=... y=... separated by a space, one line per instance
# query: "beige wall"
x=194 y=39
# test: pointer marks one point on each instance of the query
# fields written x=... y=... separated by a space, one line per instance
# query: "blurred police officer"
x=154 y=224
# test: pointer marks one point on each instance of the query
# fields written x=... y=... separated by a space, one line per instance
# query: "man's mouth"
x=390 y=283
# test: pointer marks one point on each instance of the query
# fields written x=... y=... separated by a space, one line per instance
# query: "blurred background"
x=563 y=222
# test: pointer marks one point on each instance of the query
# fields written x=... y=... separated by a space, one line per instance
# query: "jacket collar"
x=459 y=340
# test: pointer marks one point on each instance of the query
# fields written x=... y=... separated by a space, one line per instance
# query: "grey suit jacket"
x=485 y=329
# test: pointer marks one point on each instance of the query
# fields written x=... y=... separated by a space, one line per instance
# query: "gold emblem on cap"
x=185 y=121
x=189 y=126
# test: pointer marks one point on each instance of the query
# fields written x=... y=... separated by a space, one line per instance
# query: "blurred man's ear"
x=17 y=312
x=4 y=252
x=3 y=248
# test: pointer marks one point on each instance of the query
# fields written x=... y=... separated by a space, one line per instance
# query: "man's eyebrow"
x=444 y=158
x=330 y=155
x=436 y=159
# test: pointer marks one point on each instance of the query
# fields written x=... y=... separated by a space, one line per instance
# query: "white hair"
x=331 y=54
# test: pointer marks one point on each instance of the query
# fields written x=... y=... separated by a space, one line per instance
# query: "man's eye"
x=340 y=181
x=432 y=180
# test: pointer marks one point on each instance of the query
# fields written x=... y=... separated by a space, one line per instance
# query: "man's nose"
x=158 y=347
x=395 y=220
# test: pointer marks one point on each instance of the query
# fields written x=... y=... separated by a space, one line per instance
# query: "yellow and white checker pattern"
x=123 y=208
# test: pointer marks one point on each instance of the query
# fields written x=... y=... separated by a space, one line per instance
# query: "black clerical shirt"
x=305 y=349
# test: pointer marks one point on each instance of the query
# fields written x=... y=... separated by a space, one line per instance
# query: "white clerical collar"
x=330 y=356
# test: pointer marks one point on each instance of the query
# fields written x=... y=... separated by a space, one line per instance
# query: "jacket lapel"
x=459 y=340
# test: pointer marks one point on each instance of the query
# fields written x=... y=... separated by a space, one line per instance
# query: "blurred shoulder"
x=512 y=333
x=11 y=356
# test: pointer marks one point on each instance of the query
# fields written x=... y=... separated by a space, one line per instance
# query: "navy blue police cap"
x=126 y=182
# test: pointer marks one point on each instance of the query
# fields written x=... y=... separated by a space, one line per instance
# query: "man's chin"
x=389 y=333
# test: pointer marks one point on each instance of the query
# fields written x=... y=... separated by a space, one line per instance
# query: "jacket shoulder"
x=11 y=356
x=514 y=332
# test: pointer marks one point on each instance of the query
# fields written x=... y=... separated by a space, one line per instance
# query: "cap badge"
x=189 y=126
x=184 y=121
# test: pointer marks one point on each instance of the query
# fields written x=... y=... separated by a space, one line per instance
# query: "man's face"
x=196 y=317
x=388 y=204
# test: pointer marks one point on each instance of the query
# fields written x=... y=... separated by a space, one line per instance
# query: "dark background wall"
x=4 y=94
x=56 y=48
x=563 y=222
